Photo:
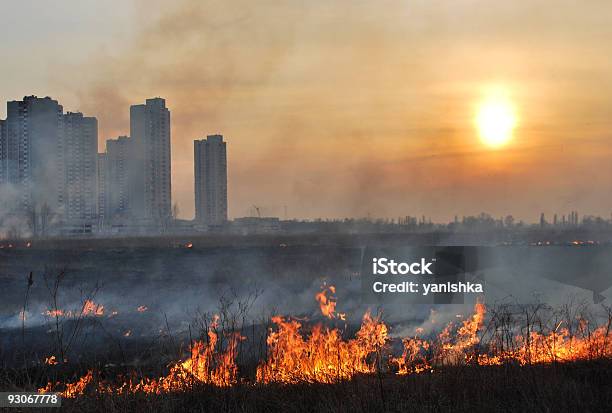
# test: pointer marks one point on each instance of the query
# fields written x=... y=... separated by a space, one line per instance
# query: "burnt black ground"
x=572 y=387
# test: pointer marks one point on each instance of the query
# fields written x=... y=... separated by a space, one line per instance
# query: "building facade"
x=150 y=177
x=101 y=207
x=210 y=164
x=3 y=151
x=117 y=174
x=32 y=158
x=78 y=164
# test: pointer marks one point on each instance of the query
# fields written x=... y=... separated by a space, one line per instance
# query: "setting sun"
x=495 y=121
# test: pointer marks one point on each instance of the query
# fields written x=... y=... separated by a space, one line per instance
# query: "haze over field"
x=343 y=108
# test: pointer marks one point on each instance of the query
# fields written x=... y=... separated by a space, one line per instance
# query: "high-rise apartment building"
x=32 y=155
x=3 y=151
x=150 y=177
x=78 y=164
x=117 y=174
x=101 y=207
x=210 y=162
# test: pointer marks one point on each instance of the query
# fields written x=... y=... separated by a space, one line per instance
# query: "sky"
x=345 y=108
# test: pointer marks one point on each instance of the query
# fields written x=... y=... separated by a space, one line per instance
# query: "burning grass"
x=203 y=366
x=561 y=387
x=324 y=354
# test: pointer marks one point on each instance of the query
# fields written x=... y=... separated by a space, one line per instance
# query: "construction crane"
x=258 y=211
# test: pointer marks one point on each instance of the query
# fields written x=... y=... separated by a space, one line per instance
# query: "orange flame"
x=324 y=356
x=327 y=301
x=51 y=361
x=72 y=390
x=54 y=313
x=205 y=366
x=91 y=308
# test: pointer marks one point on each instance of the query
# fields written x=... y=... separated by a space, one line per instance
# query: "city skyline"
x=376 y=100
x=106 y=192
x=53 y=180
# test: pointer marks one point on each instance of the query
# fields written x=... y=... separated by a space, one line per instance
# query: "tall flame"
x=324 y=356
